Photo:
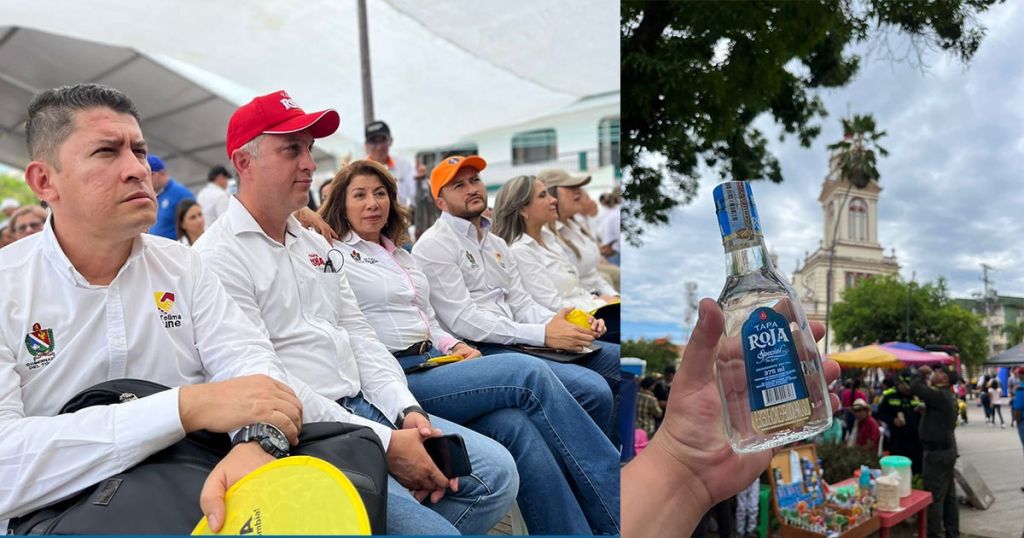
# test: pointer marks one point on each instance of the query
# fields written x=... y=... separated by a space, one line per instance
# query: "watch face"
x=275 y=438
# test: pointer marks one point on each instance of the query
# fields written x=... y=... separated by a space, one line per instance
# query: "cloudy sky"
x=952 y=197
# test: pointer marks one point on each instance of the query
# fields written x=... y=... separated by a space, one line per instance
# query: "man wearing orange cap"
x=289 y=281
x=478 y=294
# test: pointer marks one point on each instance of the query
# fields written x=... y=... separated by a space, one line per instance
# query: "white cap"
x=9 y=203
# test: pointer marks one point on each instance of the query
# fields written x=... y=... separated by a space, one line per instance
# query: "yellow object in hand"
x=578 y=318
x=294 y=495
x=445 y=359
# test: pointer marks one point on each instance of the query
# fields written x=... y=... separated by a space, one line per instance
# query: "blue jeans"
x=484 y=497
x=568 y=469
x=598 y=398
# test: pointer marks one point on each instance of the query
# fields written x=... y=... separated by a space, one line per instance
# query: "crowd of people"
x=270 y=316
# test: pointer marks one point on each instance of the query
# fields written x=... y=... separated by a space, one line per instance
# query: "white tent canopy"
x=441 y=69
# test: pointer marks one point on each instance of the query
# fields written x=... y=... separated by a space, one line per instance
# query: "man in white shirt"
x=289 y=282
x=214 y=196
x=378 y=148
x=478 y=295
x=92 y=298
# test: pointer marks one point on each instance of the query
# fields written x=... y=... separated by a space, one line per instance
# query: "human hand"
x=465 y=351
x=560 y=333
x=228 y=405
x=243 y=459
x=419 y=422
x=690 y=455
x=597 y=325
x=410 y=464
x=311 y=219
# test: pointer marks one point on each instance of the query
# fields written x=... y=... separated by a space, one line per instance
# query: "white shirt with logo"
x=310 y=314
x=475 y=287
x=214 y=202
x=549 y=276
x=588 y=259
x=393 y=293
x=164 y=318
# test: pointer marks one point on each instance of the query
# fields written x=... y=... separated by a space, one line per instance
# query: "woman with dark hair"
x=568 y=469
x=523 y=209
x=189 y=222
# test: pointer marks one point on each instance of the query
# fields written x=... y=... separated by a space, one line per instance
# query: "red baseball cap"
x=276 y=113
x=446 y=170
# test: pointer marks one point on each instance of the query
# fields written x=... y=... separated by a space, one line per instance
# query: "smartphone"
x=449 y=454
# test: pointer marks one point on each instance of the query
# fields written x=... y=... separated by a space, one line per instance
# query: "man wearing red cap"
x=290 y=283
x=92 y=298
x=478 y=293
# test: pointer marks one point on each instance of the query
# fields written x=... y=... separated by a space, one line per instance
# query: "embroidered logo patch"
x=355 y=256
x=164 y=303
x=40 y=345
x=472 y=260
x=316 y=260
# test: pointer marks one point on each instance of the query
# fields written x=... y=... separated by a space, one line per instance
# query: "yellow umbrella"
x=866 y=357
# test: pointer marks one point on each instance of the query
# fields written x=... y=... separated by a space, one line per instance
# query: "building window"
x=852 y=279
x=608 y=142
x=858 y=220
x=431 y=157
x=534 y=147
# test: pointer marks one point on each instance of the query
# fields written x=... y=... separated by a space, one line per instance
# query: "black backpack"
x=161 y=494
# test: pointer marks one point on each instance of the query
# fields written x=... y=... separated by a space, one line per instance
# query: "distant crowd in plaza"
x=264 y=311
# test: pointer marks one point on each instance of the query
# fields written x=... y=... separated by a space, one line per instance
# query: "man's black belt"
x=419 y=348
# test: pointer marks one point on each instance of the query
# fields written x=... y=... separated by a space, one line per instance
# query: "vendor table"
x=915 y=503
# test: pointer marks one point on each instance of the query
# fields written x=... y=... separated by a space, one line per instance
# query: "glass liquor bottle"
x=769 y=373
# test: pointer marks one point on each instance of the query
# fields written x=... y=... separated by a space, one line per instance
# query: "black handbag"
x=161 y=494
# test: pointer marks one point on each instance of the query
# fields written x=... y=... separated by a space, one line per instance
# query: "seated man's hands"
x=410 y=464
x=560 y=333
x=225 y=406
x=242 y=460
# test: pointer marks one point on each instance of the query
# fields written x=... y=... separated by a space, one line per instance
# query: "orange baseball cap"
x=446 y=170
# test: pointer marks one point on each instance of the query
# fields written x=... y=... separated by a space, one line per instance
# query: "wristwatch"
x=271 y=439
x=405 y=412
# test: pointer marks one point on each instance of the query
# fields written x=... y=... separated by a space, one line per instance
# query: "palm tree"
x=1014 y=334
x=856 y=163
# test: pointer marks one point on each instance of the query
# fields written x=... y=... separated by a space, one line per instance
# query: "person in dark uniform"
x=901 y=412
x=939 y=446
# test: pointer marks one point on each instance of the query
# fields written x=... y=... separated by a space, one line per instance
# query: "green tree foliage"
x=874 y=311
x=697 y=74
x=657 y=353
x=1014 y=333
x=12 y=186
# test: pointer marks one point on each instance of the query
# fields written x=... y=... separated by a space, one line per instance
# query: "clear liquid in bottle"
x=769 y=373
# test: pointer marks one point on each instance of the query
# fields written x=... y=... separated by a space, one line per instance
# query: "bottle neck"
x=752 y=259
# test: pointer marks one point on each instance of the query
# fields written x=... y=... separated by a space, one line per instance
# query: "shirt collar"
x=352 y=239
x=52 y=249
x=243 y=222
x=465 y=227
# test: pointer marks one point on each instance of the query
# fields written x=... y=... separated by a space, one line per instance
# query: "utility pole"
x=691 y=308
x=910 y=286
x=989 y=292
x=364 y=61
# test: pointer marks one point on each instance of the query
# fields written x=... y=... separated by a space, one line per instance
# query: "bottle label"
x=775 y=381
x=737 y=215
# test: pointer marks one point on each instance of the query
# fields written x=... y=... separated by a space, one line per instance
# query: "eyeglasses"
x=26 y=226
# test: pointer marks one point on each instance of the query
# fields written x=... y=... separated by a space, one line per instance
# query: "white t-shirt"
x=214 y=202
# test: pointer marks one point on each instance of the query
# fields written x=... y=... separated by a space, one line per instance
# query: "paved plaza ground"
x=998 y=457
